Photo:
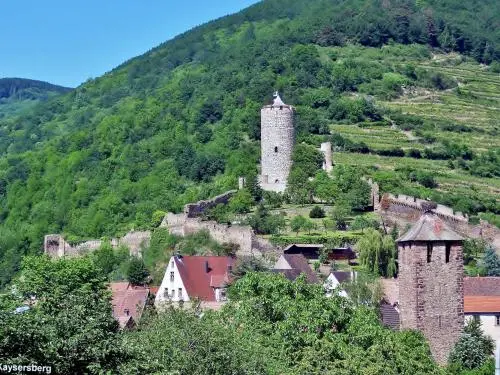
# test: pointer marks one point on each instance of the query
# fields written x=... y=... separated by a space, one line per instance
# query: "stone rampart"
x=56 y=246
x=197 y=209
x=241 y=235
x=405 y=210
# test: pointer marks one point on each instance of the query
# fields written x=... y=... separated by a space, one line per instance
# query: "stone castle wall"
x=405 y=210
x=241 y=235
x=56 y=246
x=431 y=295
x=197 y=209
x=277 y=140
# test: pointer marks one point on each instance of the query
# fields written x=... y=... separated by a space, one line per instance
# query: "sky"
x=67 y=42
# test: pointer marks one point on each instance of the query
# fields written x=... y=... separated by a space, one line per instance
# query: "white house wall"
x=166 y=284
x=488 y=324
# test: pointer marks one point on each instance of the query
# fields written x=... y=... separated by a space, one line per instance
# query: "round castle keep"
x=277 y=139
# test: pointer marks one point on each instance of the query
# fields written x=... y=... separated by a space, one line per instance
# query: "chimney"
x=207 y=268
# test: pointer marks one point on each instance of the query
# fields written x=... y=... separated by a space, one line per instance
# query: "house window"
x=276 y=149
x=476 y=318
x=448 y=252
x=180 y=293
x=172 y=276
x=497 y=320
x=173 y=293
x=223 y=296
x=172 y=264
x=165 y=293
x=429 y=252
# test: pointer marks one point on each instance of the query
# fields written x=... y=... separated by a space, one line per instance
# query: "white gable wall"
x=282 y=264
x=169 y=290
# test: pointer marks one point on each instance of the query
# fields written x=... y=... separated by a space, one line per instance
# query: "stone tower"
x=431 y=283
x=326 y=149
x=277 y=139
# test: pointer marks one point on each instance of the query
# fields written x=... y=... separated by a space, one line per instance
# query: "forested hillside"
x=182 y=121
x=18 y=94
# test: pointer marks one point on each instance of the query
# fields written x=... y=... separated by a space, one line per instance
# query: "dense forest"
x=19 y=94
x=181 y=122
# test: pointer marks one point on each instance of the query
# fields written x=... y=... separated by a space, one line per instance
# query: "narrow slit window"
x=439 y=321
x=276 y=149
x=448 y=252
x=497 y=320
x=429 y=252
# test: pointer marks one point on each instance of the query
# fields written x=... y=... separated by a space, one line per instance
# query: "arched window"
x=276 y=149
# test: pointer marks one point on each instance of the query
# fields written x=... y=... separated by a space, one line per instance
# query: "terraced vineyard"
x=466 y=114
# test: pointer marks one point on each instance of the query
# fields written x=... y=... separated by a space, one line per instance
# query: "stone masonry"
x=277 y=140
x=56 y=246
x=431 y=284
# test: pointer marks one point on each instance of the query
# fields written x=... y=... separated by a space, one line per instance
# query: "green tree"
x=104 y=258
x=340 y=214
x=377 y=253
x=317 y=213
x=309 y=225
x=137 y=272
x=157 y=218
x=297 y=223
x=241 y=202
x=474 y=347
x=491 y=262
x=70 y=327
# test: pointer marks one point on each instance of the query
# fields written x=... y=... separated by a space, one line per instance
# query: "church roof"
x=430 y=228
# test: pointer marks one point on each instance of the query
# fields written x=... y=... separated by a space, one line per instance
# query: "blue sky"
x=67 y=42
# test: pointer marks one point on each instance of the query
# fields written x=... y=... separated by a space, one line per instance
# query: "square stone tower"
x=277 y=140
x=431 y=283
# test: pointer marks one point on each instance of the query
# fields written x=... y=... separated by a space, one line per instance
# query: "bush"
x=137 y=272
x=317 y=213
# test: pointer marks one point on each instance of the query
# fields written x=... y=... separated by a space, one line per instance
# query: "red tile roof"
x=128 y=298
x=481 y=304
x=200 y=274
x=481 y=295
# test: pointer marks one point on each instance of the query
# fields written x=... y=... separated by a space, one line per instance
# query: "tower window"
x=276 y=149
x=281 y=107
x=429 y=252
x=448 y=252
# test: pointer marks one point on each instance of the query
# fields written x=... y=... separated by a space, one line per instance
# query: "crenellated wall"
x=405 y=210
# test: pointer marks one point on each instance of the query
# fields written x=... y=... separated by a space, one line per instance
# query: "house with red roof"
x=128 y=303
x=482 y=302
x=204 y=278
